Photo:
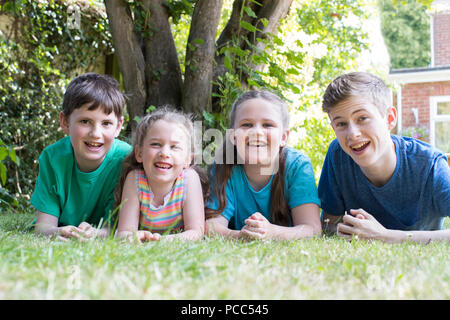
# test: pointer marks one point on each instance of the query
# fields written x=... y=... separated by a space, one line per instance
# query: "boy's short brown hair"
x=94 y=89
x=357 y=84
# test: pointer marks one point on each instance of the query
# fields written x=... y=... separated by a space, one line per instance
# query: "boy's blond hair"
x=357 y=84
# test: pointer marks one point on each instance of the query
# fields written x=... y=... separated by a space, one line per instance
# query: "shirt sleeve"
x=441 y=186
x=329 y=191
x=45 y=197
x=301 y=184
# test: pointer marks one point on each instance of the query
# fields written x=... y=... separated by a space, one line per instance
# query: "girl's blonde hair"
x=165 y=113
x=279 y=210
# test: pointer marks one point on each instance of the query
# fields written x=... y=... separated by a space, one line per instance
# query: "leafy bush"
x=40 y=52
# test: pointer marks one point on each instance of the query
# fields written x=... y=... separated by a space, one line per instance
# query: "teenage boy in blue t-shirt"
x=74 y=192
x=377 y=185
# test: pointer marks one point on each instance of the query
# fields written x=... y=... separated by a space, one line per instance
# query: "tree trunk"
x=162 y=69
x=129 y=55
x=200 y=53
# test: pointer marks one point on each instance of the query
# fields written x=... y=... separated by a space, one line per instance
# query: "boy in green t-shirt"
x=74 y=191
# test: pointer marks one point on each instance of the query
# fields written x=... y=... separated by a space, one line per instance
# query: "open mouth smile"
x=360 y=147
x=163 y=165
x=257 y=144
x=93 y=145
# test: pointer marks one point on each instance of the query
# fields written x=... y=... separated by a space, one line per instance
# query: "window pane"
x=442 y=136
x=443 y=107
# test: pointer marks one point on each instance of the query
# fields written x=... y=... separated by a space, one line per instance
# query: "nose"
x=164 y=152
x=353 y=131
x=95 y=131
x=256 y=130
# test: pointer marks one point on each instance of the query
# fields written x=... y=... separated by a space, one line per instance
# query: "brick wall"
x=441 y=29
x=417 y=95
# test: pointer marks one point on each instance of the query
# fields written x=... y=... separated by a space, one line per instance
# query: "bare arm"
x=365 y=226
x=306 y=223
x=219 y=225
x=47 y=224
x=193 y=210
x=129 y=214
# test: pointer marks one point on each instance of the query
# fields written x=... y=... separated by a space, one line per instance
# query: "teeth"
x=93 y=144
x=359 y=146
x=256 y=144
x=163 y=166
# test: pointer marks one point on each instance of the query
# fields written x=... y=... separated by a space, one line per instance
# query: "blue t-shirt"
x=417 y=197
x=243 y=200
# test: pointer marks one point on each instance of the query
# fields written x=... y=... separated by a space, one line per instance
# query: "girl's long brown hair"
x=279 y=212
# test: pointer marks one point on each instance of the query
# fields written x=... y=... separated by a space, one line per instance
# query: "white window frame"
x=434 y=117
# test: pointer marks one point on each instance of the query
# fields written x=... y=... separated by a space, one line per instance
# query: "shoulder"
x=190 y=175
x=415 y=150
x=120 y=148
x=60 y=149
x=295 y=158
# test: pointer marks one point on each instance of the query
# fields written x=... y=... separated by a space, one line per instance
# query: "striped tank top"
x=167 y=217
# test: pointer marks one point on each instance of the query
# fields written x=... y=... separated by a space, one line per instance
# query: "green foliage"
x=335 y=27
x=417 y=132
x=46 y=45
x=6 y=199
x=281 y=65
x=406 y=30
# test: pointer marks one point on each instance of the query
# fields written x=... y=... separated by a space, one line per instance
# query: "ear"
x=64 y=122
x=138 y=154
x=391 y=117
x=119 y=127
x=232 y=136
x=284 y=138
x=190 y=158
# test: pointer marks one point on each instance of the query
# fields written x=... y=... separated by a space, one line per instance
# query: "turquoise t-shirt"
x=63 y=191
x=243 y=200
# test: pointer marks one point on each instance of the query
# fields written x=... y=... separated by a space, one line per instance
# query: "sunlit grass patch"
x=35 y=267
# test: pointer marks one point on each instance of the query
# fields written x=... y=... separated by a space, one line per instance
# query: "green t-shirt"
x=63 y=191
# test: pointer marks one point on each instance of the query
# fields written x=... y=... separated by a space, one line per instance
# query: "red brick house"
x=422 y=95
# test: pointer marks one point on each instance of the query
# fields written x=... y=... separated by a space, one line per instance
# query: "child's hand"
x=257 y=227
x=144 y=236
x=67 y=232
x=88 y=231
x=361 y=224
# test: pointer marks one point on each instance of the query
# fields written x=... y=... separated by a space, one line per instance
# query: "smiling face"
x=165 y=151
x=258 y=132
x=364 y=133
x=92 y=133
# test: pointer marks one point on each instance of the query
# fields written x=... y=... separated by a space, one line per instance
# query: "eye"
x=246 y=125
x=175 y=147
x=341 y=124
x=107 y=123
x=155 y=144
x=268 y=125
x=84 y=121
x=362 y=118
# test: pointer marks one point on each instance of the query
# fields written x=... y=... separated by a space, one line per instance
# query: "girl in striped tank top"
x=161 y=196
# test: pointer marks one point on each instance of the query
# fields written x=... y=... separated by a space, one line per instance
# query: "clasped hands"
x=257 y=227
x=361 y=224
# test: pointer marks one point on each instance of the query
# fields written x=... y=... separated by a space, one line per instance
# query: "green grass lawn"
x=35 y=267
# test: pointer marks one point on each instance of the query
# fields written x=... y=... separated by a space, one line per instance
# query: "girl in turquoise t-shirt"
x=267 y=190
